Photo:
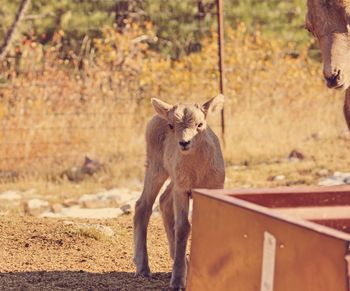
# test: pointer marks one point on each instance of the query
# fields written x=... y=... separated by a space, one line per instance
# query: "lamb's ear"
x=162 y=108
x=214 y=105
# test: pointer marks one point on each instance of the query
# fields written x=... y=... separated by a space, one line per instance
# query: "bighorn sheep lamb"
x=329 y=22
x=180 y=145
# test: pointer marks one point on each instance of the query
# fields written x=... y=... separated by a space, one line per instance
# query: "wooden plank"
x=317 y=213
x=301 y=189
x=293 y=197
x=276 y=200
x=227 y=249
x=342 y=224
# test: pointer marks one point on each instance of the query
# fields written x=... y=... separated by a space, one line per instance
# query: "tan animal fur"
x=181 y=146
x=329 y=22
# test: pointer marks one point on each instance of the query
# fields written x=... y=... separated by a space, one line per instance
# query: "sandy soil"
x=47 y=254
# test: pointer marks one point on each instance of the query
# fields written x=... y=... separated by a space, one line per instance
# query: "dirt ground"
x=47 y=254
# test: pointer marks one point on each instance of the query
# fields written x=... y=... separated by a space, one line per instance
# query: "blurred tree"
x=122 y=10
x=76 y=18
x=127 y=11
x=283 y=19
x=179 y=24
x=203 y=10
x=8 y=37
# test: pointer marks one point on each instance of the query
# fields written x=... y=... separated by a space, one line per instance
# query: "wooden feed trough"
x=283 y=239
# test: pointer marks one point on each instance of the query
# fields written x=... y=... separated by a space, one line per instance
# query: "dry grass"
x=95 y=103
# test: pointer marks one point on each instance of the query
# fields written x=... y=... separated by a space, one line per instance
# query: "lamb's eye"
x=171 y=126
x=200 y=125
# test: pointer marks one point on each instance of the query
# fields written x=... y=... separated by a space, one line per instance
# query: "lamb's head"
x=187 y=122
x=328 y=21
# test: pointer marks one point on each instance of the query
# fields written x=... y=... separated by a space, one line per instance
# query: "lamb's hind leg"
x=154 y=179
x=167 y=210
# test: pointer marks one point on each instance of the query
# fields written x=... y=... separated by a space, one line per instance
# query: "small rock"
x=74 y=174
x=95 y=204
x=37 y=203
x=339 y=178
x=10 y=195
x=107 y=195
x=113 y=194
x=295 y=182
x=105 y=230
x=238 y=167
x=56 y=208
x=277 y=178
x=342 y=175
x=322 y=172
x=294 y=154
x=116 y=197
x=126 y=208
x=88 y=197
x=68 y=222
x=331 y=181
x=78 y=174
x=29 y=192
x=91 y=166
x=316 y=136
x=35 y=206
x=70 y=202
x=77 y=212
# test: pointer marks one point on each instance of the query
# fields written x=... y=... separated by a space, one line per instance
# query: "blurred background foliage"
x=180 y=25
x=79 y=75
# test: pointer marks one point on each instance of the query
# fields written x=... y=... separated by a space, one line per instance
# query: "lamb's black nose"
x=334 y=80
x=184 y=144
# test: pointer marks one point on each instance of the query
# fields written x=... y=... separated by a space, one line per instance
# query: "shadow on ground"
x=81 y=280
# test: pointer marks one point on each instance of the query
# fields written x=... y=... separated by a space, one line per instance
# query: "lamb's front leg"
x=182 y=231
x=154 y=179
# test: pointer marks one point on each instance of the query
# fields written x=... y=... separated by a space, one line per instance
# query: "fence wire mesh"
x=85 y=92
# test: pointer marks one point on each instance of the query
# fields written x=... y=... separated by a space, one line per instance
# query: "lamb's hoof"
x=178 y=283
x=144 y=272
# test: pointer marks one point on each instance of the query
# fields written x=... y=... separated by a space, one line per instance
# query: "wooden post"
x=220 y=19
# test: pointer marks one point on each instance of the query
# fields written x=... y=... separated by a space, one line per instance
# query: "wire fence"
x=58 y=106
